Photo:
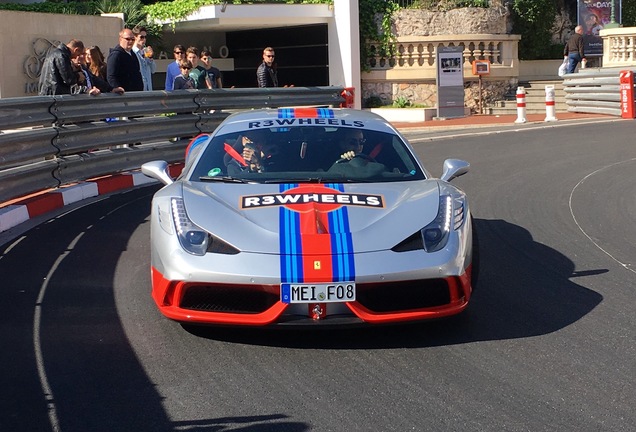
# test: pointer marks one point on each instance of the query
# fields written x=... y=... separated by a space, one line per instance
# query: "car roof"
x=304 y=116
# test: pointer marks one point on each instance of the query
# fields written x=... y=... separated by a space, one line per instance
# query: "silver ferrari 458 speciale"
x=308 y=216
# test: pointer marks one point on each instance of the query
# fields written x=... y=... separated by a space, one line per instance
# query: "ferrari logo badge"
x=316 y=265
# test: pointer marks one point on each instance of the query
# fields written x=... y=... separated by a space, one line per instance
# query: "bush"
x=373 y=102
x=402 y=102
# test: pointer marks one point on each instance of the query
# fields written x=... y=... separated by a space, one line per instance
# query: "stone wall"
x=426 y=93
x=415 y=22
x=471 y=20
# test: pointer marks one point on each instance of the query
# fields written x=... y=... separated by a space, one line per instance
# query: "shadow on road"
x=525 y=289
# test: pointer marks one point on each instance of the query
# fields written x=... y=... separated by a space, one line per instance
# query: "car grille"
x=402 y=296
x=235 y=299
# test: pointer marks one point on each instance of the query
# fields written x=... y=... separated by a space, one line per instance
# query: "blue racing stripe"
x=325 y=113
x=291 y=269
x=341 y=242
x=285 y=113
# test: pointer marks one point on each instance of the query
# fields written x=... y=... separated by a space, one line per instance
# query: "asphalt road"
x=548 y=343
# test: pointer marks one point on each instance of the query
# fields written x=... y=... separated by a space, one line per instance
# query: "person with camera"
x=58 y=75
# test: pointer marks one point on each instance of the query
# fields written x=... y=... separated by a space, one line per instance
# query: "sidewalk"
x=483 y=120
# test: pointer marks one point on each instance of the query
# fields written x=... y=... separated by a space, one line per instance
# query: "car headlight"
x=449 y=216
x=192 y=238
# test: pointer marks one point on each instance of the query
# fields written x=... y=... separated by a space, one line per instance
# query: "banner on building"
x=593 y=16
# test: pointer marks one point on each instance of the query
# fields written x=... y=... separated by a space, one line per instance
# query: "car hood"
x=261 y=217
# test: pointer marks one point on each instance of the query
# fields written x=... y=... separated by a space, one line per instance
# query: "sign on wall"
x=593 y=16
x=450 y=81
x=32 y=67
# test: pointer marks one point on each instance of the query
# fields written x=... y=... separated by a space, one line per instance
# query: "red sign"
x=626 y=79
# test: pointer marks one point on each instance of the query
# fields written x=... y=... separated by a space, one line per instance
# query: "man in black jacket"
x=58 y=76
x=266 y=75
x=122 y=66
x=574 y=50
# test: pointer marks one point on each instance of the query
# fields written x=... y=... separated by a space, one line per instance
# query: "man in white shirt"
x=144 y=54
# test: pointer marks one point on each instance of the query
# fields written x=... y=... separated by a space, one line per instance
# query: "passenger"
x=250 y=153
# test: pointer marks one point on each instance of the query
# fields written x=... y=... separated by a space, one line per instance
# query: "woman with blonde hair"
x=95 y=61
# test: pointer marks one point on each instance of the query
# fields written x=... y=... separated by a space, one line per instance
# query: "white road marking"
x=625 y=265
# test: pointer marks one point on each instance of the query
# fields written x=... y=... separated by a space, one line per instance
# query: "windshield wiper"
x=223 y=179
x=296 y=180
x=316 y=180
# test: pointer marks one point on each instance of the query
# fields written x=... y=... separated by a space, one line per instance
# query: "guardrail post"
x=549 y=104
x=626 y=79
x=521 y=105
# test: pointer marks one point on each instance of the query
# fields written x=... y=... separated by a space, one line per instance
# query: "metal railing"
x=49 y=141
x=594 y=90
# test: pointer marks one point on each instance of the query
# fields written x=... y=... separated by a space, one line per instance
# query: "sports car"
x=308 y=216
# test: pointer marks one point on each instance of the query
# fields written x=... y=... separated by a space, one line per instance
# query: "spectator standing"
x=122 y=67
x=144 y=53
x=58 y=74
x=574 y=50
x=173 y=69
x=95 y=61
x=214 y=75
x=89 y=82
x=198 y=73
x=184 y=81
x=266 y=75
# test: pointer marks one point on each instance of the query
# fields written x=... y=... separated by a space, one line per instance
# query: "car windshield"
x=306 y=154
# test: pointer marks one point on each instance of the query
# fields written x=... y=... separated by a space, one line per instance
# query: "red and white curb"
x=22 y=210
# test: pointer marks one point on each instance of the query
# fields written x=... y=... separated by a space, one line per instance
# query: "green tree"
x=533 y=19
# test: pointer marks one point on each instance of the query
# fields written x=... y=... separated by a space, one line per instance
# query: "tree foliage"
x=533 y=20
x=370 y=30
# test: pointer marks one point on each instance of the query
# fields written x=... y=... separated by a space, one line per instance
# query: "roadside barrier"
x=594 y=90
x=549 y=104
x=521 y=105
x=50 y=141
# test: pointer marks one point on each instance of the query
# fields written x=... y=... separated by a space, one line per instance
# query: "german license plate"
x=335 y=292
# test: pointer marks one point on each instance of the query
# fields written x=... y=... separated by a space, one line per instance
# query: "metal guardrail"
x=594 y=90
x=49 y=141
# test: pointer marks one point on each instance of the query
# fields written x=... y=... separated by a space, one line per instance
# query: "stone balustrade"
x=619 y=46
x=415 y=56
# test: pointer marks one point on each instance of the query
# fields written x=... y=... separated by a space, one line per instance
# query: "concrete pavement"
x=477 y=120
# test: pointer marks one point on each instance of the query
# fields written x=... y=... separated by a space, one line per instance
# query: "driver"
x=351 y=144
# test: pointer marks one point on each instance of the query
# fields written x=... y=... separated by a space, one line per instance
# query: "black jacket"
x=574 y=45
x=95 y=81
x=123 y=70
x=266 y=76
x=57 y=74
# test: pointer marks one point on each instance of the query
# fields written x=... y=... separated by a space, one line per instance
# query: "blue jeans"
x=573 y=60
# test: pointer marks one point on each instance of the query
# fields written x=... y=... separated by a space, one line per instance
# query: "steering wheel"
x=359 y=156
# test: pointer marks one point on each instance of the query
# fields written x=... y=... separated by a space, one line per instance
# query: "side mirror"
x=454 y=168
x=157 y=170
